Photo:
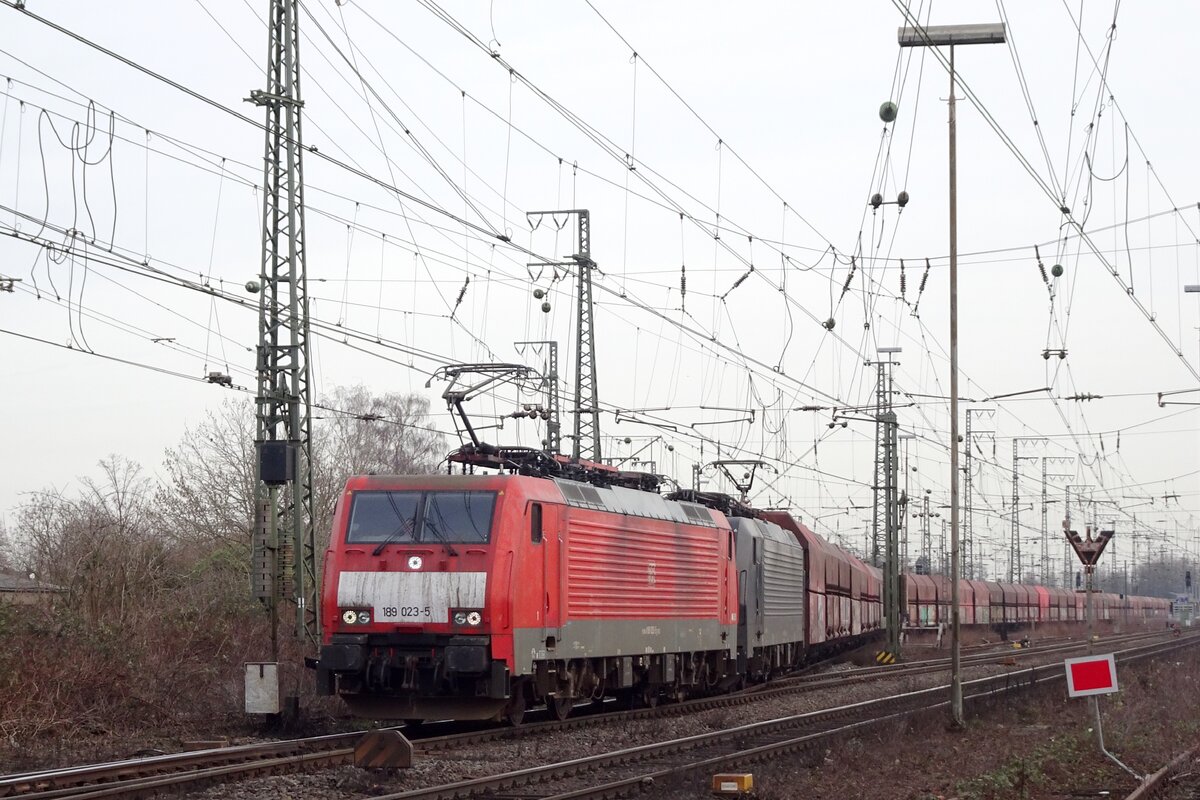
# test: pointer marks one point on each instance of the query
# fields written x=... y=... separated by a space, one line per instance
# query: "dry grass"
x=1036 y=745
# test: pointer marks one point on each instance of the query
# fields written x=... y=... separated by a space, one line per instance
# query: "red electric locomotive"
x=474 y=597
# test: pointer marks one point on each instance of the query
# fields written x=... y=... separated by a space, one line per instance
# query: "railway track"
x=604 y=715
x=1157 y=782
x=153 y=775
x=815 y=680
x=632 y=770
x=145 y=776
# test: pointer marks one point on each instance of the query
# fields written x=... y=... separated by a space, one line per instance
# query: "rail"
x=1157 y=781
x=755 y=742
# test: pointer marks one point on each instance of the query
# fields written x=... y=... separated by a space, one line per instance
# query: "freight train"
x=479 y=596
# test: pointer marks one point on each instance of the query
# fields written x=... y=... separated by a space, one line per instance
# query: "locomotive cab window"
x=398 y=517
x=383 y=516
x=459 y=517
x=535 y=522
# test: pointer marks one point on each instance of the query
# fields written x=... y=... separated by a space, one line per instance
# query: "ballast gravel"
x=490 y=758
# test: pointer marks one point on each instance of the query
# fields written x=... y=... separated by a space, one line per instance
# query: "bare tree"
x=384 y=434
x=100 y=544
x=6 y=551
x=208 y=495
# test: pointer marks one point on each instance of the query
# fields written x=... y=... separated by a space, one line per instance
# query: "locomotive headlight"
x=474 y=618
x=460 y=618
x=364 y=617
x=349 y=617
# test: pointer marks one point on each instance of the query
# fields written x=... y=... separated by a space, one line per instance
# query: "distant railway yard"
x=803 y=731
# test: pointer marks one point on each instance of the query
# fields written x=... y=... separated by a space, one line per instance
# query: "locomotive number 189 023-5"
x=405 y=612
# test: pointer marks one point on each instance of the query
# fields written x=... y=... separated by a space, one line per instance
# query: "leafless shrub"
x=155 y=619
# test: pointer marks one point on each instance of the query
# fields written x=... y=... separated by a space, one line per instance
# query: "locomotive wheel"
x=560 y=707
x=514 y=712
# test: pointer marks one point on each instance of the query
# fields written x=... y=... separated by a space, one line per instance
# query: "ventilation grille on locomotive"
x=634 y=503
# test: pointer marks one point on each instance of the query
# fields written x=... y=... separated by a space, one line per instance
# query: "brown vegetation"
x=156 y=617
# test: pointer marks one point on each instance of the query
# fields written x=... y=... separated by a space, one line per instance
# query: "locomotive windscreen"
x=401 y=517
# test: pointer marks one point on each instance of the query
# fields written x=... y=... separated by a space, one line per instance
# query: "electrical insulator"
x=903 y=282
x=924 y=280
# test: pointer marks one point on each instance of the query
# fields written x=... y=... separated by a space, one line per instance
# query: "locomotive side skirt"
x=604 y=638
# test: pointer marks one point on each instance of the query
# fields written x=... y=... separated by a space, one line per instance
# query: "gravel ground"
x=1185 y=785
x=494 y=757
x=487 y=758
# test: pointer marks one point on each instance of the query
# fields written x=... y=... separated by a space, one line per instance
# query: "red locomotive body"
x=474 y=596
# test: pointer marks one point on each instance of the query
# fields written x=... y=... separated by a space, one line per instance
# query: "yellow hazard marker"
x=885 y=658
x=733 y=783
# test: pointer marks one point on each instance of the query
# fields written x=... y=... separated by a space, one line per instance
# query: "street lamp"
x=935 y=36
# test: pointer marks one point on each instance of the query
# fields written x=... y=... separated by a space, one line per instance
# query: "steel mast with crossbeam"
x=284 y=546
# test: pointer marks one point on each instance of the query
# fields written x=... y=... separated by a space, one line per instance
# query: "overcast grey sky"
x=777 y=150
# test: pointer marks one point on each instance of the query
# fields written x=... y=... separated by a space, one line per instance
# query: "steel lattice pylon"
x=1014 y=552
x=969 y=556
x=881 y=494
x=886 y=507
x=285 y=551
x=1059 y=462
x=587 y=405
x=586 y=435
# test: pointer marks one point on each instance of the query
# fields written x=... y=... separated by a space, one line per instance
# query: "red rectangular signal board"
x=1091 y=675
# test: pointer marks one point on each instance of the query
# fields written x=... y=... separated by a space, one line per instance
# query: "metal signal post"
x=1089 y=551
x=284 y=547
